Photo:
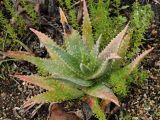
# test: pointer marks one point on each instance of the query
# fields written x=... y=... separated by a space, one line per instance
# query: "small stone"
x=153 y=26
x=152 y=102
x=145 y=96
x=157 y=64
x=154 y=32
x=135 y=118
x=3 y=94
x=24 y=83
x=147 y=108
x=141 y=112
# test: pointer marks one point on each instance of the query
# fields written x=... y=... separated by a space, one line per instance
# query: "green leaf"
x=87 y=28
x=47 y=65
x=42 y=82
x=58 y=90
x=46 y=41
x=62 y=93
x=74 y=80
x=72 y=38
x=74 y=44
x=133 y=65
x=103 y=92
x=68 y=59
x=113 y=46
x=85 y=69
x=97 y=46
x=119 y=84
x=98 y=111
x=124 y=45
x=102 y=69
x=94 y=63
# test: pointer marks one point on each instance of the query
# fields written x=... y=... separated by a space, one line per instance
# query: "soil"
x=143 y=102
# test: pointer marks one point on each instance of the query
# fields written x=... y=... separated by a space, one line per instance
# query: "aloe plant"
x=78 y=68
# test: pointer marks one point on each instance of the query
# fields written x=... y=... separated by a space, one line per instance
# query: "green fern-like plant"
x=29 y=8
x=141 y=18
x=78 y=68
x=11 y=36
x=10 y=33
x=102 y=20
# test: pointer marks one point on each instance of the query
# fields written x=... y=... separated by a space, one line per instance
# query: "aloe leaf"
x=61 y=94
x=99 y=113
x=74 y=44
x=94 y=54
x=50 y=83
x=87 y=27
x=58 y=90
x=96 y=109
x=46 y=41
x=97 y=45
x=7 y=60
x=68 y=59
x=103 y=92
x=63 y=21
x=119 y=84
x=42 y=82
x=85 y=69
x=20 y=55
x=113 y=46
x=74 y=80
x=124 y=45
x=137 y=60
x=72 y=39
x=102 y=69
x=51 y=66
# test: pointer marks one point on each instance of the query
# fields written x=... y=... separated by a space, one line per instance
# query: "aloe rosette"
x=78 y=68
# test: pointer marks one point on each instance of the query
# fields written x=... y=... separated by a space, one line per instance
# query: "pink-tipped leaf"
x=66 y=27
x=103 y=67
x=38 y=81
x=45 y=65
x=113 y=46
x=61 y=93
x=44 y=39
x=63 y=18
x=103 y=92
x=138 y=59
x=20 y=55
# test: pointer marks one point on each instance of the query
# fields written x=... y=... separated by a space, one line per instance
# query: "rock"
x=135 y=118
x=3 y=94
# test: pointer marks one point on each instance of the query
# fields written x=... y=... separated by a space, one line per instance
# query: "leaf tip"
x=63 y=18
x=85 y=10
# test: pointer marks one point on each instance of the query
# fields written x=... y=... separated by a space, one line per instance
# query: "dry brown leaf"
x=57 y=113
